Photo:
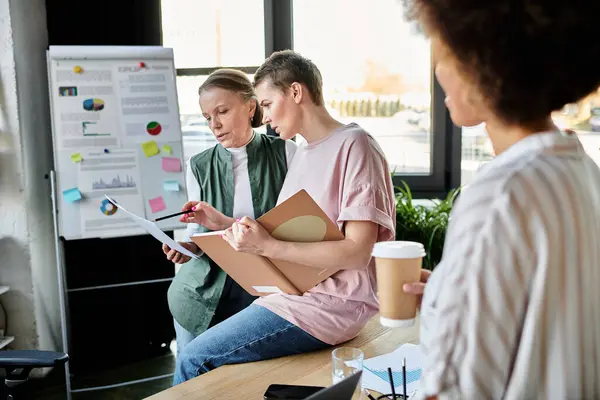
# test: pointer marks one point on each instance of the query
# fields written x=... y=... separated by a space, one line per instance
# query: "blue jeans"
x=182 y=336
x=233 y=300
x=253 y=334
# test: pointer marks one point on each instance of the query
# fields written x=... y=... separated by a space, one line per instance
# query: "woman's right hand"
x=206 y=215
x=417 y=288
x=177 y=257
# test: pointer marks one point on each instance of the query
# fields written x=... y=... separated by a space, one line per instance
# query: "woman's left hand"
x=248 y=236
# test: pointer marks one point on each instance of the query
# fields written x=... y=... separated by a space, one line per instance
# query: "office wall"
x=26 y=247
x=112 y=22
x=27 y=257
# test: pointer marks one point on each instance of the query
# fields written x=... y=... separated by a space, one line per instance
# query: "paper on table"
x=375 y=374
x=155 y=231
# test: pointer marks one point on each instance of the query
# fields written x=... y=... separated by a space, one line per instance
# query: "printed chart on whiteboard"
x=116 y=132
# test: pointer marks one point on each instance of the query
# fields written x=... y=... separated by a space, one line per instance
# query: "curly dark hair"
x=285 y=67
x=527 y=57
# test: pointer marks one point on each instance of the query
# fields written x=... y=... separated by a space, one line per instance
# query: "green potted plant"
x=425 y=224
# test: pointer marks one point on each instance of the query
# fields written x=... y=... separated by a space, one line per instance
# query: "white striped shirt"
x=513 y=309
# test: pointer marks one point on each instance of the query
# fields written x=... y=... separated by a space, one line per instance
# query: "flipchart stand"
x=60 y=268
x=63 y=298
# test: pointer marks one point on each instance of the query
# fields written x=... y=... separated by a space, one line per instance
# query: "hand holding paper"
x=154 y=230
x=177 y=257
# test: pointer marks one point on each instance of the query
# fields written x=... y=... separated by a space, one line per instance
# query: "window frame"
x=446 y=137
x=445 y=153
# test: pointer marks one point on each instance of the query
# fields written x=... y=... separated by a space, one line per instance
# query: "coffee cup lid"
x=398 y=249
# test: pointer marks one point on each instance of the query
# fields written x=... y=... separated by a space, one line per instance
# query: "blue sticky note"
x=171 y=186
x=72 y=195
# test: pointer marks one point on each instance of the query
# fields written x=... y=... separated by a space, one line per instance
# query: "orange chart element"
x=153 y=128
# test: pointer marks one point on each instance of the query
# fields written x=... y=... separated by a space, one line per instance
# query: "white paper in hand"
x=154 y=230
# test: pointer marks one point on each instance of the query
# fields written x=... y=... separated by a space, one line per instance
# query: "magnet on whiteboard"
x=77 y=69
x=142 y=64
x=106 y=151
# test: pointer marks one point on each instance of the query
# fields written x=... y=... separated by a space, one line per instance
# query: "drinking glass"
x=346 y=361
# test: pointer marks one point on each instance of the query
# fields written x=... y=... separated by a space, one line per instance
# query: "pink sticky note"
x=157 y=204
x=171 y=164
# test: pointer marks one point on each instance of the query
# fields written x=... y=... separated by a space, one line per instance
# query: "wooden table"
x=249 y=381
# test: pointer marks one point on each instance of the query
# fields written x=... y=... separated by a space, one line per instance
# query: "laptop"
x=343 y=390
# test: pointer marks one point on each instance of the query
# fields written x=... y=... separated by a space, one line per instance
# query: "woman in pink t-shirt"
x=344 y=170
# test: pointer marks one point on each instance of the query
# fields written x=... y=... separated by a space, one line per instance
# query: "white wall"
x=27 y=259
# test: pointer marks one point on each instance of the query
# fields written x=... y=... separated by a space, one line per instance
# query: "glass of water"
x=346 y=361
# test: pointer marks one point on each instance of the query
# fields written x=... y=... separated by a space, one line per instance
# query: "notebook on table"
x=298 y=219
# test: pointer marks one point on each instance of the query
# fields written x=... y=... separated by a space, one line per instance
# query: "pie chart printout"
x=153 y=128
x=93 y=104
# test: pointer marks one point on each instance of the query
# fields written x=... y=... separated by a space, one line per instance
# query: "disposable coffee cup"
x=397 y=263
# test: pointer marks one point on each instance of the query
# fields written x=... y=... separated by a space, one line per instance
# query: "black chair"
x=19 y=363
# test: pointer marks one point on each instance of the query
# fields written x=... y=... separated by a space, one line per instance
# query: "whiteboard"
x=115 y=131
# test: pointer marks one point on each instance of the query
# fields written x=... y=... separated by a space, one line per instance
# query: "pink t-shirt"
x=347 y=174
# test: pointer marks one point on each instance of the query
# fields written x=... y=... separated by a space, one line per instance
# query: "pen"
x=404 y=377
x=392 y=383
x=173 y=215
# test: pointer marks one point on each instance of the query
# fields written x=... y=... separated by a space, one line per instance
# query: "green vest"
x=196 y=289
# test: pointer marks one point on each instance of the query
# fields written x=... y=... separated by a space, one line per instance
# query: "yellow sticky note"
x=167 y=149
x=150 y=148
x=76 y=157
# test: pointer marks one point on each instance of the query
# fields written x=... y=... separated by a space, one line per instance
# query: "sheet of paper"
x=148 y=101
x=213 y=233
x=154 y=230
x=72 y=195
x=167 y=149
x=171 y=186
x=85 y=105
x=76 y=157
x=375 y=374
x=171 y=164
x=117 y=174
x=150 y=148
x=157 y=204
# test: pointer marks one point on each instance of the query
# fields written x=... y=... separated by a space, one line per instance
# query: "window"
x=376 y=69
x=582 y=117
x=204 y=35
x=376 y=72
x=476 y=151
x=212 y=33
